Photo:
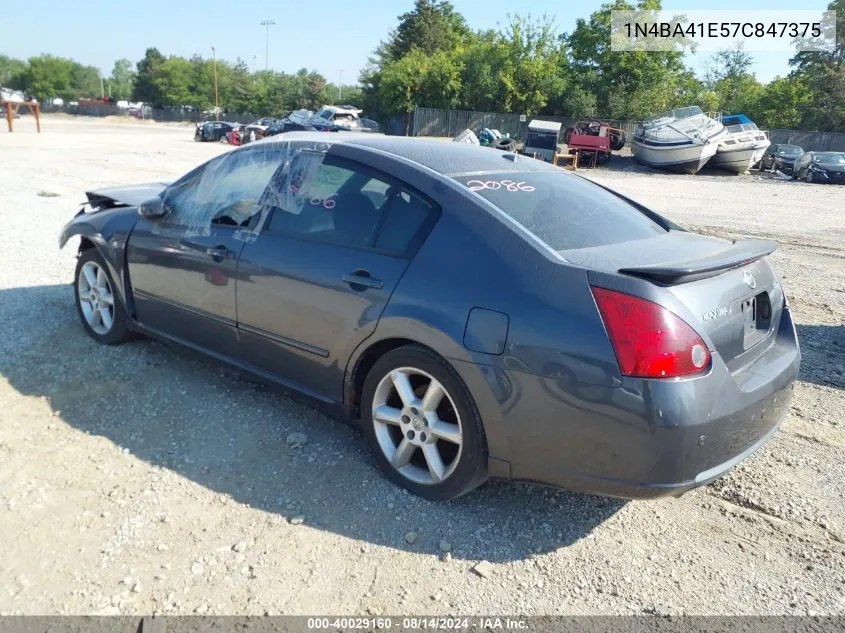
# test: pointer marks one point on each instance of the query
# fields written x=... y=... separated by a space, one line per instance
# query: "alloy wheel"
x=96 y=298
x=417 y=425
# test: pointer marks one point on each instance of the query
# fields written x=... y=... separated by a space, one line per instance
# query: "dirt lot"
x=141 y=479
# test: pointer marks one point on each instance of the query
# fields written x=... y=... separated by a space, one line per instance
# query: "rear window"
x=564 y=211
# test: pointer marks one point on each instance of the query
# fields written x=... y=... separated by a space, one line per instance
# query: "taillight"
x=649 y=340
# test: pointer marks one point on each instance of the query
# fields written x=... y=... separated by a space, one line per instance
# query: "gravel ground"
x=143 y=479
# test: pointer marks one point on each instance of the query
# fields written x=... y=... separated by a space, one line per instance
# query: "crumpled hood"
x=127 y=195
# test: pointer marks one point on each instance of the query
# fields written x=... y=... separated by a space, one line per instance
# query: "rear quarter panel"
x=474 y=259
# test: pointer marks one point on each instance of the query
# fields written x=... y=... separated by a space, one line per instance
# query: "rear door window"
x=344 y=203
x=564 y=211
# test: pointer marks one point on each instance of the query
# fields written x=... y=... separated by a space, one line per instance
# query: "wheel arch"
x=361 y=366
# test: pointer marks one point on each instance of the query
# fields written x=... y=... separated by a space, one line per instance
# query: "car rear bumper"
x=646 y=438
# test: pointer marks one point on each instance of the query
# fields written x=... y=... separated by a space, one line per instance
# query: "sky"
x=335 y=37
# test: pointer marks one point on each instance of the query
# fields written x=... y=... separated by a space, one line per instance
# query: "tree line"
x=434 y=59
x=173 y=81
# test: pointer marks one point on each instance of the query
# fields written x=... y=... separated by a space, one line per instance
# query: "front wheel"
x=100 y=310
x=808 y=176
x=423 y=426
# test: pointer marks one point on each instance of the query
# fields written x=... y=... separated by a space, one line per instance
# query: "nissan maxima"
x=477 y=313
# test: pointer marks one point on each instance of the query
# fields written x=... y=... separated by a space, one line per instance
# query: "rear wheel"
x=423 y=426
x=100 y=310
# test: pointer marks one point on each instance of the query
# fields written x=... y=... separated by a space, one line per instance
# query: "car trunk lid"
x=731 y=291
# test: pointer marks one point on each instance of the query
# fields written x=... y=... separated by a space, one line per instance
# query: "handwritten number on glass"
x=509 y=185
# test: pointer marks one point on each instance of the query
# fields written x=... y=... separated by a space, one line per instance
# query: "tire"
x=567 y=134
x=405 y=427
x=506 y=146
x=224 y=139
x=90 y=261
x=809 y=176
x=617 y=141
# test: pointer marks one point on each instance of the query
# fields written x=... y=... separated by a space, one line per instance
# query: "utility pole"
x=216 y=99
x=267 y=24
x=253 y=71
x=102 y=90
x=340 y=88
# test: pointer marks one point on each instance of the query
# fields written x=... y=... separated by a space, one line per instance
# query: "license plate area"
x=756 y=319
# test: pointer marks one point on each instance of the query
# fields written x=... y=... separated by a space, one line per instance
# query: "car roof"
x=445 y=157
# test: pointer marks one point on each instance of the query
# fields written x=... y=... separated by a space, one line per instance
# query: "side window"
x=348 y=204
x=225 y=191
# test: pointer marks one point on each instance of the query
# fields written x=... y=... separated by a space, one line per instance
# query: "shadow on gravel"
x=822 y=351
x=210 y=424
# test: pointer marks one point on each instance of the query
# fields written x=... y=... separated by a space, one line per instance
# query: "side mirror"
x=153 y=208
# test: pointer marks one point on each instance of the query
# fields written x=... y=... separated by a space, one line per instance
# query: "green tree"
x=783 y=102
x=420 y=78
x=823 y=75
x=483 y=59
x=430 y=27
x=173 y=82
x=626 y=84
x=47 y=77
x=144 y=88
x=122 y=79
x=84 y=82
x=533 y=70
x=729 y=76
x=11 y=72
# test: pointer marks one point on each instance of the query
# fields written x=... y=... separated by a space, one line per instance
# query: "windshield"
x=742 y=127
x=830 y=159
x=790 y=150
x=677 y=113
x=564 y=211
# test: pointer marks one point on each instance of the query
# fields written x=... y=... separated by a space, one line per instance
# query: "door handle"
x=362 y=279
x=218 y=253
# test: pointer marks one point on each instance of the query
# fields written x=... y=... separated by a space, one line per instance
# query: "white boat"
x=683 y=139
x=742 y=147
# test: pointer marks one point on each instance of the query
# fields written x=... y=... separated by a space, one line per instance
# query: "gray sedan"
x=479 y=314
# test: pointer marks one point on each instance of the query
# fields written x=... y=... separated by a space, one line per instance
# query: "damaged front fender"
x=109 y=232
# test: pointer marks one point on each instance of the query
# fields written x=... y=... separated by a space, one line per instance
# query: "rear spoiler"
x=739 y=253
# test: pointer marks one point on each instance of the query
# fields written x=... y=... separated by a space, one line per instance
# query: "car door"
x=183 y=268
x=323 y=268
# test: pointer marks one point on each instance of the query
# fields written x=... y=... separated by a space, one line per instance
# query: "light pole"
x=253 y=71
x=216 y=100
x=340 y=87
x=267 y=24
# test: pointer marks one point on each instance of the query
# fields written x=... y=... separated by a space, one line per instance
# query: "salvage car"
x=781 y=157
x=214 y=131
x=439 y=295
x=822 y=167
